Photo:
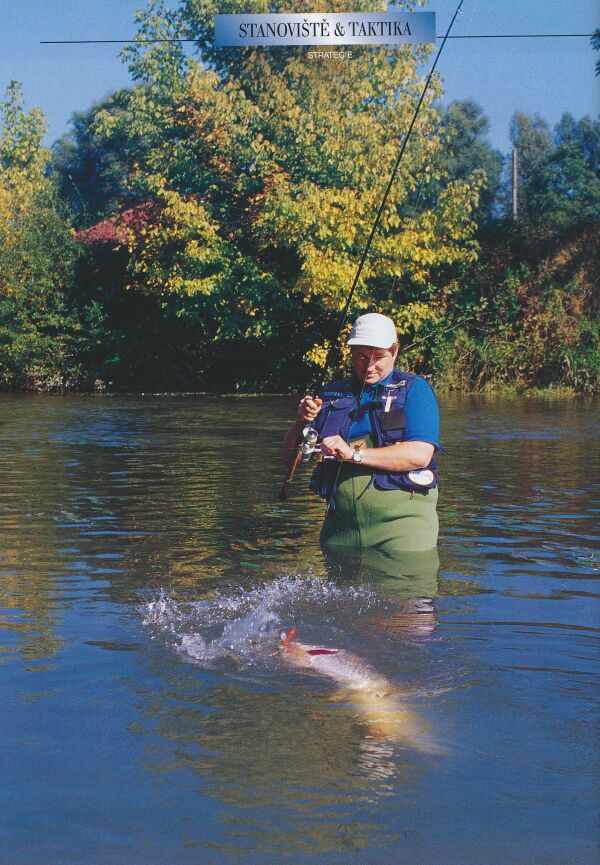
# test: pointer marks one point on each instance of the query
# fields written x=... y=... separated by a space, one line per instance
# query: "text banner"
x=328 y=28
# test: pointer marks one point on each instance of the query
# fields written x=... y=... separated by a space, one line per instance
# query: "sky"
x=547 y=76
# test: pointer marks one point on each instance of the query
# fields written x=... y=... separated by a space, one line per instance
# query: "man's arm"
x=308 y=408
x=399 y=457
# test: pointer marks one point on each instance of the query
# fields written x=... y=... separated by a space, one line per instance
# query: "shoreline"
x=559 y=392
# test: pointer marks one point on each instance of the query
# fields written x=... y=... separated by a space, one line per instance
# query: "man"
x=381 y=426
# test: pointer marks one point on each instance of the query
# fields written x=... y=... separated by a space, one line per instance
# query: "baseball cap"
x=374 y=330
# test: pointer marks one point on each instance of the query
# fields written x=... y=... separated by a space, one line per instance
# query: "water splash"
x=246 y=625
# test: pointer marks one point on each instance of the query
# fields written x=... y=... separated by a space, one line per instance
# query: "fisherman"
x=381 y=426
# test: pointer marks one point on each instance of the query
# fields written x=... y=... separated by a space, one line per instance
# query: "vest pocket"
x=392 y=425
x=403 y=481
x=337 y=413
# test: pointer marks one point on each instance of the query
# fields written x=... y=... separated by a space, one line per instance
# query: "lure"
x=287 y=639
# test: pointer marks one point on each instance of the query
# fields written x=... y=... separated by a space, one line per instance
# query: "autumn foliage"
x=220 y=206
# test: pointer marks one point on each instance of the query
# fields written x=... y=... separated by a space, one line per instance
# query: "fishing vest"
x=388 y=424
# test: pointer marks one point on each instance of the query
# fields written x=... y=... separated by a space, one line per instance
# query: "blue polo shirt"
x=420 y=408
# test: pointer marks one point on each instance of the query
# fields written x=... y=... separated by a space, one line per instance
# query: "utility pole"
x=515 y=186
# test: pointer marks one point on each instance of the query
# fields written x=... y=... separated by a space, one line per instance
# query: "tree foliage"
x=267 y=171
x=40 y=332
x=467 y=151
x=559 y=174
x=92 y=170
x=596 y=46
x=536 y=323
x=223 y=204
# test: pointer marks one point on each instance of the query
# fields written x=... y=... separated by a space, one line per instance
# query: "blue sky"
x=548 y=76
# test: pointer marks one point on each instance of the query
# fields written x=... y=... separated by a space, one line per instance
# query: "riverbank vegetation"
x=200 y=230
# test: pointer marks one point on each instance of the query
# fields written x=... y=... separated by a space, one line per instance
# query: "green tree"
x=532 y=139
x=582 y=134
x=559 y=174
x=596 y=46
x=466 y=151
x=570 y=183
x=40 y=330
x=91 y=170
x=267 y=170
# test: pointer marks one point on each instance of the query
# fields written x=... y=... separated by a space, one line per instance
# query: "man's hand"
x=308 y=408
x=335 y=446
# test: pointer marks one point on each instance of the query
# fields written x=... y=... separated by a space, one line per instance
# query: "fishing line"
x=459 y=65
x=335 y=343
x=448 y=84
x=420 y=189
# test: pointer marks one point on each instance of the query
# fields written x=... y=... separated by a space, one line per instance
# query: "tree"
x=91 y=170
x=40 y=331
x=570 y=182
x=559 y=175
x=533 y=141
x=267 y=171
x=582 y=134
x=466 y=150
x=595 y=40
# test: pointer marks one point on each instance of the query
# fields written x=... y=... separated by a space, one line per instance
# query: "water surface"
x=147 y=571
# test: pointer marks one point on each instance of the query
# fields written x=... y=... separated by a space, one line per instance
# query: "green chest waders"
x=361 y=516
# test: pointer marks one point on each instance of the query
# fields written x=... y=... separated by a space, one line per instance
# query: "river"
x=147 y=570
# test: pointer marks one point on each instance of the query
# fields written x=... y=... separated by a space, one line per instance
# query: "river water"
x=147 y=571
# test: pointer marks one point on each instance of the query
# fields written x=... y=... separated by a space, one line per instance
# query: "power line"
x=475 y=36
x=524 y=36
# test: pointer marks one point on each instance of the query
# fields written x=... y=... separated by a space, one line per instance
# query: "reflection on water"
x=274 y=736
x=147 y=571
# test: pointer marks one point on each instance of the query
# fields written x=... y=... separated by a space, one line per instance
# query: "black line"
x=108 y=41
x=524 y=36
x=156 y=41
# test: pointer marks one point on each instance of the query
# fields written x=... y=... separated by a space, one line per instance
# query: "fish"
x=377 y=702
x=346 y=669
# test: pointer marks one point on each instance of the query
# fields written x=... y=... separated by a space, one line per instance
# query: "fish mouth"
x=286 y=640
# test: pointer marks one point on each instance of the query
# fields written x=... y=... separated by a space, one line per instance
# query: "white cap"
x=373 y=329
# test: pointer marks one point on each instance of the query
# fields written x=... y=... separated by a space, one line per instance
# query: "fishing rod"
x=298 y=453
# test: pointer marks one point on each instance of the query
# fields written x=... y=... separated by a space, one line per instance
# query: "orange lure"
x=288 y=637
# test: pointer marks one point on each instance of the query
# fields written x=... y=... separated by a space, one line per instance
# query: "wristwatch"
x=357 y=457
